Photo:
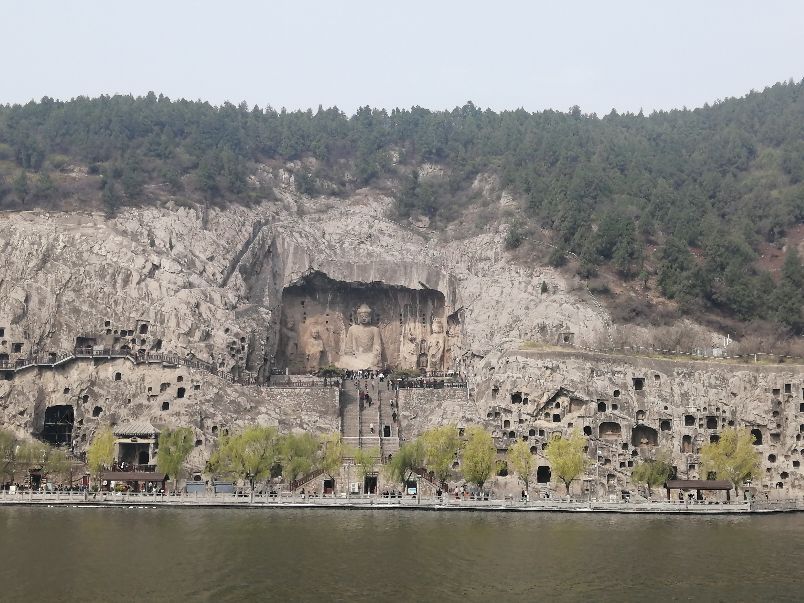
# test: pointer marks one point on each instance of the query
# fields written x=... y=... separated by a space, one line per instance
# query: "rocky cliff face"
x=629 y=408
x=210 y=284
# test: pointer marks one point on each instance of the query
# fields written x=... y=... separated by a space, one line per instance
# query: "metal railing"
x=243 y=497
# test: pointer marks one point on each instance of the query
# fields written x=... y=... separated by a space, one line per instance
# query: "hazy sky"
x=599 y=55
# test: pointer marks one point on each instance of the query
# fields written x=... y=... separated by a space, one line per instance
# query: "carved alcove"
x=317 y=313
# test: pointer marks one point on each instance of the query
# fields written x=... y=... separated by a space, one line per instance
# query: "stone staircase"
x=357 y=423
x=370 y=415
x=350 y=414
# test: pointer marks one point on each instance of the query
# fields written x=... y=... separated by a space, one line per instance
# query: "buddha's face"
x=315 y=334
x=438 y=327
x=363 y=317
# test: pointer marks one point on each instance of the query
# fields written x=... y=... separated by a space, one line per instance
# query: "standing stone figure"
x=290 y=338
x=314 y=350
x=436 y=343
x=362 y=348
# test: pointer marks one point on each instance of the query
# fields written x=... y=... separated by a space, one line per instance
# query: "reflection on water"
x=308 y=554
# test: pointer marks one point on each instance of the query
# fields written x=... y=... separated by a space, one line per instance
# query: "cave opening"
x=58 y=426
x=642 y=435
x=314 y=334
x=609 y=430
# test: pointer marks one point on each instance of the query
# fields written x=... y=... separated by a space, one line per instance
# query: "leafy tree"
x=249 y=455
x=652 y=472
x=440 y=446
x=44 y=188
x=58 y=465
x=298 y=455
x=32 y=453
x=110 y=197
x=479 y=455
x=175 y=445
x=100 y=454
x=404 y=464
x=20 y=186
x=521 y=461
x=365 y=459
x=333 y=453
x=566 y=457
x=786 y=298
x=8 y=455
x=733 y=457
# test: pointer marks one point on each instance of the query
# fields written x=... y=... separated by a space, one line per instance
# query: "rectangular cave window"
x=788 y=388
x=196 y=386
x=386 y=431
x=180 y=392
x=2 y=331
x=58 y=427
x=711 y=422
x=556 y=418
x=144 y=329
x=639 y=383
x=16 y=348
x=776 y=392
x=543 y=474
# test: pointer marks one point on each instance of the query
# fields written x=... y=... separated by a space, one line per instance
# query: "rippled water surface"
x=306 y=554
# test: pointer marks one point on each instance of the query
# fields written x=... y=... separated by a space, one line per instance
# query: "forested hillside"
x=688 y=197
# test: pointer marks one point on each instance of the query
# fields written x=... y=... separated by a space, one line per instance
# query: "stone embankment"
x=295 y=501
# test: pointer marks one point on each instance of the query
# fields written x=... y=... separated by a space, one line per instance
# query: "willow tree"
x=100 y=454
x=298 y=454
x=520 y=460
x=479 y=455
x=440 y=446
x=333 y=453
x=733 y=457
x=566 y=457
x=365 y=459
x=652 y=472
x=249 y=455
x=174 y=448
x=8 y=454
x=405 y=463
x=59 y=465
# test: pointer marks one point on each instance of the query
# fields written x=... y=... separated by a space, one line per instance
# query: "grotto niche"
x=357 y=325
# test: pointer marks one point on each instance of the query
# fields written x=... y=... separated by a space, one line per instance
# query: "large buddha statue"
x=362 y=348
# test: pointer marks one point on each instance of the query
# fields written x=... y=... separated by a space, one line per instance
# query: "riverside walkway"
x=379 y=502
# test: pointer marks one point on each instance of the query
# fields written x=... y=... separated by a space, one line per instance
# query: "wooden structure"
x=698 y=485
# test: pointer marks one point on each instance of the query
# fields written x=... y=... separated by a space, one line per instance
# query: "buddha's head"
x=363 y=315
x=438 y=327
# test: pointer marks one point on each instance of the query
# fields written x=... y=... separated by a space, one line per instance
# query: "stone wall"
x=421 y=409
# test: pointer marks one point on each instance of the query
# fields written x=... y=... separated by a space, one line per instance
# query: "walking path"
x=378 y=502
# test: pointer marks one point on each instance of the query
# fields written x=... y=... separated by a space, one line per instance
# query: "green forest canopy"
x=707 y=186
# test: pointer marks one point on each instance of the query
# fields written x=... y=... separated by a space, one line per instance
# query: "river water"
x=90 y=554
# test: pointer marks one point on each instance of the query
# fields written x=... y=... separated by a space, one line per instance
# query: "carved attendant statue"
x=362 y=348
x=436 y=343
x=314 y=350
